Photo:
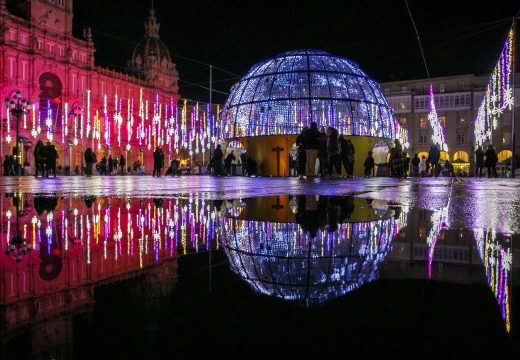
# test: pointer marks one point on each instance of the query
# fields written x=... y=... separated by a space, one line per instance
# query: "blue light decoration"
x=499 y=94
x=282 y=95
x=282 y=259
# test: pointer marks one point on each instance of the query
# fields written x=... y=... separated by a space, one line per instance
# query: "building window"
x=61 y=51
x=506 y=138
x=40 y=44
x=74 y=56
x=12 y=65
x=51 y=48
x=103 y=88
x=74 y=82
x=425 y=89
x=461 y=139
x=25 y=70
x=422 y=139
x=423 y=123
x=83 y=58
x=460 y=86
x=461 y=121
x=442 y=121
x=24 y=39
x=404 y=89
x=442 y=88
x=402 y=120
x=402 y=104
x=83 y=83
x=61 y=3
x=12 y=35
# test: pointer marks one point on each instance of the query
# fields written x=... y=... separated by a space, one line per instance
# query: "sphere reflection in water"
x=280 y=258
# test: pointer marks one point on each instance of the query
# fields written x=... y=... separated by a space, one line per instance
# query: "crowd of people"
x=325 y=146
x=320 y=153
x=223 y=166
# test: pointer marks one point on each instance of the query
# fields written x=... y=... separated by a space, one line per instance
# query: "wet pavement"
x=142 y=267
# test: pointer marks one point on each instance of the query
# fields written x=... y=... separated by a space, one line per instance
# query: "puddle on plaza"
x=83 y=276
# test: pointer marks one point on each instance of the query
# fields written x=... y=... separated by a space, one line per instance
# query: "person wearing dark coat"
x=479 y=155
x=351 y=158
x=369 y=165
x=39 y=160
x=51 y=155
x=243 y=161
x=158 y=162
x=90 y=159
x=491 y=160
x=333 y=151
x=218 y=155
x=103 y=166
x=110 y=165
x=323 y=155
x=343 y=153
x=301 y=156
x=227 y=163
x=122 y=163
x=433 y=159
x=415 y=165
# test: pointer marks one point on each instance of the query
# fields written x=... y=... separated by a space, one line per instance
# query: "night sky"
x=459 y=37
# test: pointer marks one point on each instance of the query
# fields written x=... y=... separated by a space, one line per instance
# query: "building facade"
x=76 y=103
x=457 y=99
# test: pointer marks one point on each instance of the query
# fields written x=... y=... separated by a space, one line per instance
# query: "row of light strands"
x=133 y=228
x=496 y=257
x=155 y=123
x=499 y=94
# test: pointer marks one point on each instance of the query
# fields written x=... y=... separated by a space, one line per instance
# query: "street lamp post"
x=18 y=107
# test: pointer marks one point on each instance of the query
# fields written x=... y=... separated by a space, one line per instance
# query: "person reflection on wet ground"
x=346 y=208
x=311 y=215
x=218 y=204
x=89 y=200
x=45 y=203
x=158 y=202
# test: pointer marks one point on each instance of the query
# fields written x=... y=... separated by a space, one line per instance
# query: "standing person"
x=39 y=161
x=406 y=165
x=227 y=163
x=301 y=157
x=491 y=160
x=333 y=150
x=157 y=162
x=103 y=166
x=343 y=154
x=479 y=155
x=51 y=155
x=122 y=163
x=218 y=155
x=351 y=158
x=369 y=165
x=243 y=162
x=323 y=154
x=433 y=159
x=7 y=166
x=415 y=165
x=90 y=159
x=110 y=165
x=423 y=166
x=311 y=149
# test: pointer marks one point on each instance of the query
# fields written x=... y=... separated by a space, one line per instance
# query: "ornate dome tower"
x=151 y=59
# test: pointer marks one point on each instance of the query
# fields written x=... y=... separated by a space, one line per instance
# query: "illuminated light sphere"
x=280 y=96
x=34 y=133
x=8 y=138
x=39 y=129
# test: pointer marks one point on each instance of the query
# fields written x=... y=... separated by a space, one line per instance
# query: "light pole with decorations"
x=17 y=106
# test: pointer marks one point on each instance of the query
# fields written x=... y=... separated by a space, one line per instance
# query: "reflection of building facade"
x=457 y=99
x=78 y=104
x=80 y=244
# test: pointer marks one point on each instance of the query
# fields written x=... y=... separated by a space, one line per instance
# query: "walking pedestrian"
x=227 y=163
x=323 y=155
x=158 y=162
x=433 y=158
x=311 y=149
x=369 y=165
x=333 y=151
x=415 y=165
x=122 y=163
x=51 y=155
x=218 y=155
x=90 y=159
x=39 y=161
x=351 y=158
x=491 y=161
x=479 y=163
